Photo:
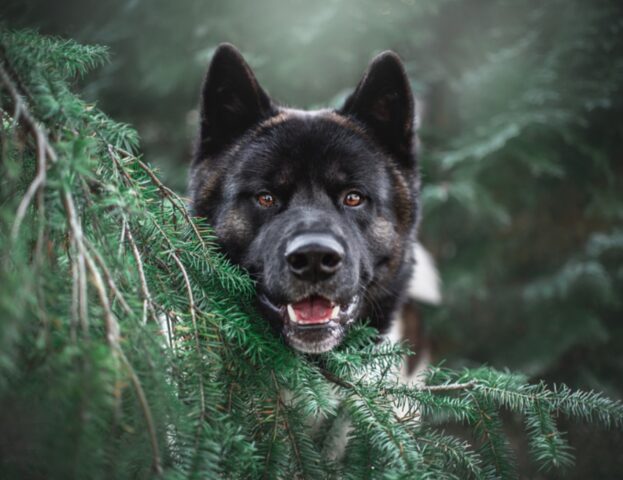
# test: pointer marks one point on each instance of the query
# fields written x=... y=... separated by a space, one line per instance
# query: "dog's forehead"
x=312 y=143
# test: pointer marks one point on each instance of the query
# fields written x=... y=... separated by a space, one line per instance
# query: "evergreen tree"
x=129 y=346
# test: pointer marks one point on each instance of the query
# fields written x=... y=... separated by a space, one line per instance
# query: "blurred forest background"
x=521 y=106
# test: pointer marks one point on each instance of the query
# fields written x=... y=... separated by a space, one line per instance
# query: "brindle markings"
x=234 y=227
x=386 y=234
x=404 y=201
x=212 y=180
x=204 y=186
x=286 y=114
x=281 y=117
x=345 y=122
x=383 y=231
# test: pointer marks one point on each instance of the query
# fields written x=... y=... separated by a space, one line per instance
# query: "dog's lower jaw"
x=310 y=339
x=329 y=338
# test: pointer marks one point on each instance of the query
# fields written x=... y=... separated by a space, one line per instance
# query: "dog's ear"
x=383 y=102
x=232 y=100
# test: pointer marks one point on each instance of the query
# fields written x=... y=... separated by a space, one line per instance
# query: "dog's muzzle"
x=313 y=301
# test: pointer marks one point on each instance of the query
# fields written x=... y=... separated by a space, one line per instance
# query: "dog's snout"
x=314 y=257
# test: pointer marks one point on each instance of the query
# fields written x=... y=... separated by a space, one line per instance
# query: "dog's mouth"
x=313 y=324
x=312 y=311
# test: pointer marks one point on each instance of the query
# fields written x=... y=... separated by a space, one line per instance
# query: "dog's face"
x=319 y=206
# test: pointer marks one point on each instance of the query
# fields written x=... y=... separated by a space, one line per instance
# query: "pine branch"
x=112 y=327
x=84 y=261
x=147 y=298
x=44 y=150
x=450 y=387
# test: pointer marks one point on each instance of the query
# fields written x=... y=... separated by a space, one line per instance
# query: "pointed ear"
x=232 y=101
x=383 y=102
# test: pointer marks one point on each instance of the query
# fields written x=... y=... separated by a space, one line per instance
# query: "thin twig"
x=111 y=151
x=79 y=252
x=75 y=301
x=44 y=149
x=156 y=462
x=109 y=279
x=173 y=198
x=449 y=387
x=487 y=433
x=21 y=111
x=124 y=224
x=337 y=380
x=345 y=384
x=426 y=388
x=277 y=405
x=113 y=332
x=295 y=447
x=37 y=183
x=193 y=313
x=141 y=273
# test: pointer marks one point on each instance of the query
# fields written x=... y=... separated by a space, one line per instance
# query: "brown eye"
x=266 y=200
x=353 y=199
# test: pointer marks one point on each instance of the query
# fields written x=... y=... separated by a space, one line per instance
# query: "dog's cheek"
x=383 y=232
x=234 y=231
x=385 y=238
x=205 y=188
x=386 y=248
x=404 y=203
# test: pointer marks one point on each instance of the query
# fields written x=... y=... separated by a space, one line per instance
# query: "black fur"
x=308 y=162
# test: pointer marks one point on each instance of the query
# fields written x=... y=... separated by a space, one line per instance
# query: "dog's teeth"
x=351 y=307
x=291 y=313
x=335 y=312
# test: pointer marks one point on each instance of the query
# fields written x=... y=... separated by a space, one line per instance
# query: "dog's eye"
x=266 y=200
x=353 y=199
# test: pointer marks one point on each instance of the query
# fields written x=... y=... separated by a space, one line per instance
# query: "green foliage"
x=130 y=347
x=521 y=107
x=522 y=182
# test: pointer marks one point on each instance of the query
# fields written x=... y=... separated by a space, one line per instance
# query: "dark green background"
x=522 y=159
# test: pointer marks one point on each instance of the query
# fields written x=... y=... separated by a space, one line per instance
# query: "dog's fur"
x=309 y=161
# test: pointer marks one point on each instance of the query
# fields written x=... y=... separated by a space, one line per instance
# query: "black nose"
x=314 y=256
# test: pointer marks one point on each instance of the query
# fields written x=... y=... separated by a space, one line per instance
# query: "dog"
x=321 y=207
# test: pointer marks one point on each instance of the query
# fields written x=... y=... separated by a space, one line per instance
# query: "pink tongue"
x=313 y=310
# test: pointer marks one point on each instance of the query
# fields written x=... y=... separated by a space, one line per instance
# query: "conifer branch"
x=173 y=198
x=335 y=379
x=44 y=149
x=488 y=435
x=112 y=326
x=169 y=194
x=275 y=424
x=83 y=259
x=138 y=387
x=141 y=271
x=79 y=265
x=295 y=448
x=450 y=387
x=366 y=401
x=109 y=278
x=193 y=315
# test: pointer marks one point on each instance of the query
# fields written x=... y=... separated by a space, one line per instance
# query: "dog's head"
x=319 y=206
